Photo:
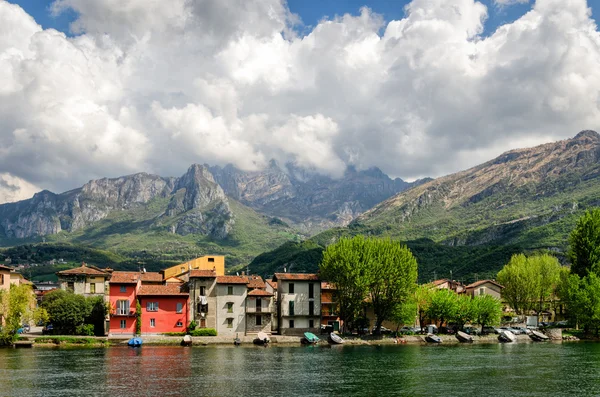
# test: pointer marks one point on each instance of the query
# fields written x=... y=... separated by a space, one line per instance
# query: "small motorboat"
x=506 y=336
x=537 y=336
x=237 y=341
x=261 y=339
x=134 y=342
x=464 y=337
x=309 y=339
x=187 y=340
x=432 y=338
x=335 y=339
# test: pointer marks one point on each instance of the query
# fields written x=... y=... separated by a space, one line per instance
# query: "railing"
x=127 y=313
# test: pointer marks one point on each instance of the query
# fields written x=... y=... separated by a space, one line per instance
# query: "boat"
x=134 y=342
x=187 y=340
x=237 y=341
x=261 y=339
x=464 y=337
x=431 y=338
x=506 y=336
x=538 y=336
x=335 y=339
x=309 y=339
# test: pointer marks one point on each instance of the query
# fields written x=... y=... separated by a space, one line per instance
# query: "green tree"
x=443 y=306
x=487 y=310
x=547 y=268
x=138 y=318
x=40 y=316
x=466 y=310
x=344 y=264
x=17 y=306
x=584 y=249
x=67 y=311
x=97 y=316
x=423 y=294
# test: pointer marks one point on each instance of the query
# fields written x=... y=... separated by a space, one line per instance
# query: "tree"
x=392 y=277
x=97 y=316
x=487 y=310
x=17 y=307
x=423 y=295
x=547 y=268
x=443 y=306
x=138 y=319
x=344 y=265
x=466 y=310
x=584 y=249
x=67 y=311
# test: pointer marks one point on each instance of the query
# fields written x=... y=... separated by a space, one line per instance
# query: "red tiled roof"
x=152 y=277
x=232 y=280
x=272 y=283
x=83 y=269
x=440 y=281
x=480 y=282
x=327 y=285
x=256 y=282
x=2 y=267
x=203 y=273
x=161 y=290
x=259 y=292
x=124 y=277
x=296 y=276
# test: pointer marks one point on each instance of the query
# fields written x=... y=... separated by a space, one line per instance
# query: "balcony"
x=124 y=313
x=254 y=309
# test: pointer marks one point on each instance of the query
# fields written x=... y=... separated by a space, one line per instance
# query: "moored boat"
x=335 y=339
x=538 y=336
x=431 y=338
x=506 y=336
x=464 y=337
x=134 y=342
x=187 y=340
x=261 y=339
x=309 y=339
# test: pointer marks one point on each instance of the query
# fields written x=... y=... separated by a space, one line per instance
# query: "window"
x=311 y=308
x=482 y=291
x=258 y=320
x=122 y=307
x=211 y=259
x=152 y=306
x=311 y=323
x=291 y=323
x=229 y=323
x=123 y=288
x=179 y=324
x=230 y=290
x=258 y=304
x=202 y=323
x=203 y=291
x=291 y=308
x=229 y=307
x=92 y=288
x=311 y=291
x=291 y=288
x=71 y=286
x=123 y=324
x=179 y=307
x=152 y=322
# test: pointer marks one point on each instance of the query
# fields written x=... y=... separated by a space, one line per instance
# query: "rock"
x=554 y=333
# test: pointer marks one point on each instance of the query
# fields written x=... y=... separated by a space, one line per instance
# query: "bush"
x=204 y=332
x=192 y=326
x=174 y=333
x=71 y=340
x=85 y=329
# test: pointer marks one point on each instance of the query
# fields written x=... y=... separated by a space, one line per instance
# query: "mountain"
x=308 y=200
x=474 y=220
x=206 y=210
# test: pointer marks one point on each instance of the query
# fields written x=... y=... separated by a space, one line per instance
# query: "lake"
x=524 y=369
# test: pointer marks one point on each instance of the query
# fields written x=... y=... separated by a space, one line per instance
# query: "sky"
x=104 y=88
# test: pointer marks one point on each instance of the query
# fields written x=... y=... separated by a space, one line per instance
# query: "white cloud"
x=154 y=86
x=504 y=3
x=14 y=189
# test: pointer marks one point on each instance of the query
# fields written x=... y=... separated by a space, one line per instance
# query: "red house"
x=123 y=287
x=164 y=308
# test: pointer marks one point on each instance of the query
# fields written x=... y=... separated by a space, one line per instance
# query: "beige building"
x=484 y=287
x=5 y=277
x=231 y=305
x=207 y=262
x=298 y=303
x=85 y=280
x=203 y=298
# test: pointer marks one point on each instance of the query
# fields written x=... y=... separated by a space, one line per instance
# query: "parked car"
x=383 y=330
x=409 y=330
x=48 y=329
x=472 y=330
x=489 y=330
x=524 y=331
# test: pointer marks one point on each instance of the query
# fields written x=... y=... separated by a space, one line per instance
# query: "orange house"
x=123 y=287
x=164 y=308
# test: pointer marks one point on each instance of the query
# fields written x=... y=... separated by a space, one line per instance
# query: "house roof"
x=232 y=280
x=124 y=277
x=440 y=281
x=296 y=276
x=2 y=267
x=173 y=280
x=481 y=282
x=203 y=273
x=272 y=283
x=256 y=282
x=161 y=290
x=154 y=277
x=259 y=292
x=83 y=270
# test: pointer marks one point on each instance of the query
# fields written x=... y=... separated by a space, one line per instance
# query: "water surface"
x=526 y=369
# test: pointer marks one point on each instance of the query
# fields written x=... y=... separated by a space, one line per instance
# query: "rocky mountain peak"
x=587 y=135
x=195 y=175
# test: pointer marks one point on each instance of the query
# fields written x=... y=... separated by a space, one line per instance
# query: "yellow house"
x=207 y=262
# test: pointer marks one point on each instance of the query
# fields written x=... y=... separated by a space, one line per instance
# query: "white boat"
x=431 y=338
x=335 y=339
x=538 y=336
x=506 y=336
x=464 y=337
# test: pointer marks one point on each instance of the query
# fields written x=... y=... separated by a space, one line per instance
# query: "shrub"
x=204 y=332
x=85 y=329
x=192 y=326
